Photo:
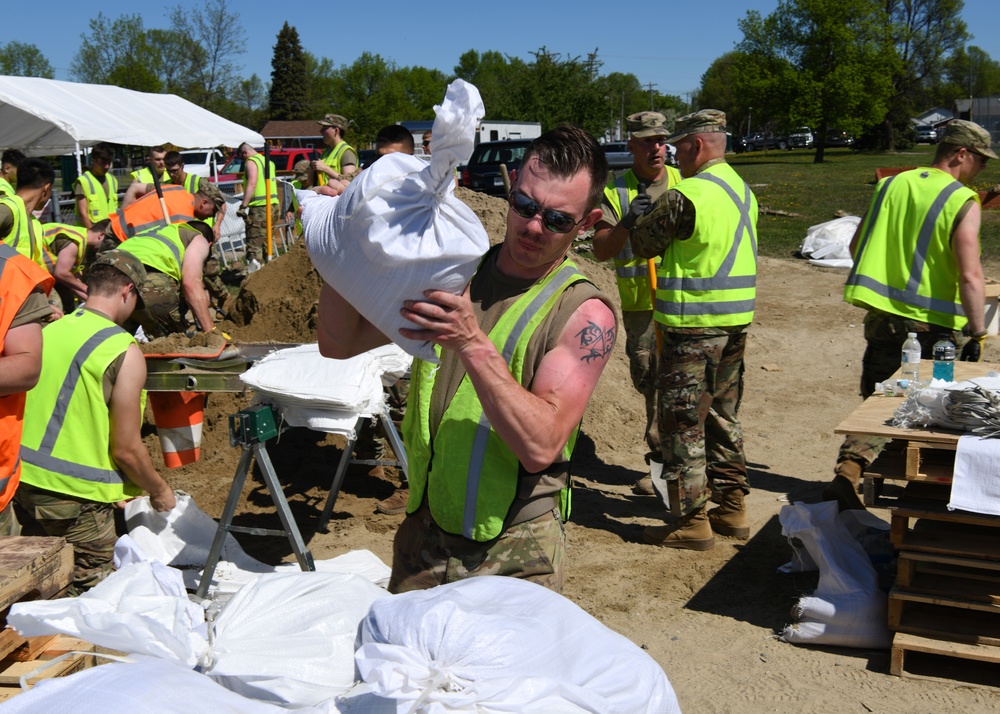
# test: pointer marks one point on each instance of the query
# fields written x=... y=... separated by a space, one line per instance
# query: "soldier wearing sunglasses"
x=489 y=433
x=705 y=229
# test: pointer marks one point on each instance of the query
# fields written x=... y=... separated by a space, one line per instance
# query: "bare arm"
x=342 y=332
x=82 y=211
x=250 y=168
x=21 y=359
x=220 y=216
x=126 y=432
x=136 y=190
x=63 y=271
x=192 y=282
x=971 y=284
x=535 y=424
x=609 y=240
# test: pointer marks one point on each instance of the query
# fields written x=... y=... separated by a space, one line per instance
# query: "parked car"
x=619 y=157
x=284 y=163
x=762 y=140
x=198 y=162
x=836 y=137
x=800 y=138
x=926 y=134
x=482 y=173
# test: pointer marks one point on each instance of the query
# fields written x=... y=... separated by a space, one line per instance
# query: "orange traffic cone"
x=178 y=417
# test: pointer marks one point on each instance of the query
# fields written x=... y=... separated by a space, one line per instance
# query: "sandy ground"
x=708 y=618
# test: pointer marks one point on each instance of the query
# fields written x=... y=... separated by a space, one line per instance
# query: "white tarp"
x=47 y=117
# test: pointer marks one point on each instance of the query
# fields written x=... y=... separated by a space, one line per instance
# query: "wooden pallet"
x=32 y=568
x=943 y=532
x=13 y=668
x=928 y=658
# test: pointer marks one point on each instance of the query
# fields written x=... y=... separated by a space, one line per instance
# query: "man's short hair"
x=14 y=157
x=203 y=228
x=105 y=280
x=566 y=151
x=394 y=134
x=35 y=173
x=156 y=150
x=101 y=225
x=173 y=158
x=102 y=153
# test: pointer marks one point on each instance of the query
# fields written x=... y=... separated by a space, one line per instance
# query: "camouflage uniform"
x=256 y=227
x=164 y=307
x=9 y=525
x=424 y=556
x=885 y=334
x=640 y=347
x=88 y=525
x=700 y=386
x=212 y=279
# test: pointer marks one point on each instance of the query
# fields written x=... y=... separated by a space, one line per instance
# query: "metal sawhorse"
x=250 y=428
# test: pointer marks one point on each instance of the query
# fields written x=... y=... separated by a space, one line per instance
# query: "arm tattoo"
x=596 y=341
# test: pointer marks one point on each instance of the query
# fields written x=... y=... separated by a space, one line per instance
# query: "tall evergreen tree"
x=289 y=96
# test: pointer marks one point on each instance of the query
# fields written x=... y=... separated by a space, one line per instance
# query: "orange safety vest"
x=146 y=213
x=19 y=277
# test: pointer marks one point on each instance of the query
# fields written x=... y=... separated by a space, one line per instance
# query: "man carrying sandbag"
x=490 y=432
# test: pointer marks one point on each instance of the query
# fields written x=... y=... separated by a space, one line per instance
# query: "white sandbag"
x=398 y=229
x=148 y=686
x=847 y=608
x=828 y=244
x=140 y=609
x=496 y=644
x=289 y=638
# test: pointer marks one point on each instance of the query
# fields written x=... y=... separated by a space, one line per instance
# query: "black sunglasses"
x=554 y=221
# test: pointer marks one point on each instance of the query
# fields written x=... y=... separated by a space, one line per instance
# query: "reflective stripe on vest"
x=76 y=234
x=101 y=201
x=25 y=236
x=476 y=473
x=722 y=280
x=69 y=394
x=148 y=248
x=331 y=157
x=180 y=209
x=910 y=294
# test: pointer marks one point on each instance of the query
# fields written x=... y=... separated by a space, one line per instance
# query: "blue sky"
x=670 y=47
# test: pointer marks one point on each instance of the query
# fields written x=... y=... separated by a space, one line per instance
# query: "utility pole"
x=651 y=107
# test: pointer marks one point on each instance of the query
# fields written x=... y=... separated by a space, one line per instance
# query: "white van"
x=202 y=162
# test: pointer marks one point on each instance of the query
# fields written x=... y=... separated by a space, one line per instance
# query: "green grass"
x=790 y=181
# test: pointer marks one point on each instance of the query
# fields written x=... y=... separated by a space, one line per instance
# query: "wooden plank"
x=945 y=583
x=13 y=671
x=945 y=623
x=957 y=599
x=950 y=560
x=937 y=511
x=915 y=643
x=32 y=647
x=930 y=659
x=9 y=641
x=33 y=568
x=950 y=539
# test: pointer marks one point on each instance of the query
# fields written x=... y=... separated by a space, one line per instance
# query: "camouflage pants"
x=640 y=346
x=8 y=521
x=885 y=335
x=212 y=280
x=424 y=556
x=164 y=310
x=371 y=443
x=256 y=227
x=87 y=525
x=700 y=385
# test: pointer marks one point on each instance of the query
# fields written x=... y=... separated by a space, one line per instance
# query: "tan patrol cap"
x=970 y=135
x=128 y=264
x=646 y=124
x=334 y=120
x=301 y=169
x=706 y=121
x=210 y=191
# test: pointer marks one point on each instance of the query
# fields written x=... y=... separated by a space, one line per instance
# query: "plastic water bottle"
x=910 y=364
x=944 y=359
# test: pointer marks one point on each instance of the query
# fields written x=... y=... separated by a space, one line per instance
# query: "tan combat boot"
x=729 y=518
x=644 y=487
x=844 y=487
x=691 y=531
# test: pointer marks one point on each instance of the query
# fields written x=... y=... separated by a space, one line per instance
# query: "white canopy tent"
x=48 y=117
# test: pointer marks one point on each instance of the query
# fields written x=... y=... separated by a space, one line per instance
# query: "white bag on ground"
x=290 y=638
x=847 y=608
x=398 y=229
x=829 y=244
x=496 y=644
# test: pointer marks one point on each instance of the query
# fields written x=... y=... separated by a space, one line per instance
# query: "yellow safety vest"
x=475 y=472
x=101 y=196
x=259 y=197
x=5 y=188
x=144 y=175
x=160 y=248
x=77 y=234
x=26 y=234
x=632 y=273
x=903 y=263
x=66 y=441
x=710 y=279
x=331 y=157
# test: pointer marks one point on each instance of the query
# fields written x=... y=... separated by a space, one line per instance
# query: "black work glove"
x=972 y=350
x=640 y=204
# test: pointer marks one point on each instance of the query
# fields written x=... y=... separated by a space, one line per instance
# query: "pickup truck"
x=760 y=140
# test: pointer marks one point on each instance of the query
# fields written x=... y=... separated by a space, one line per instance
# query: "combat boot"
x=691 y=531
x=644 y=487
x=844 y=487
x=729 y=518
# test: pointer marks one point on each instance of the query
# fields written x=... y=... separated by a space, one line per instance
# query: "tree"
x=370 y=94
x=20 y=59
x=969 y=73
x=289 y=96
x=215 y=40
x=817 y=62
x=118 y=52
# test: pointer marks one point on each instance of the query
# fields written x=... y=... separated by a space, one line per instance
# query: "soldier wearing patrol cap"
x=916 y=269
x=705 y=229
x=81 y=449
x=626 y=197
x=339 y=160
